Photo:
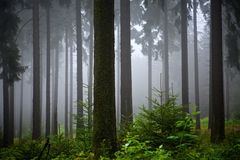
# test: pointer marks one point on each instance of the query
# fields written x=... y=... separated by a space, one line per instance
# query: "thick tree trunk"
x=36 y=130
x=217 y=127
x=185 y=99
x=196 y=63
x=104 y=120
x=79 y=68
x=48 y=74
x=55 y=104
x=126 y=71
x=165 y=55
x=66 y=83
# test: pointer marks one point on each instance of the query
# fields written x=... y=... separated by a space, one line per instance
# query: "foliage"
x=166 y=124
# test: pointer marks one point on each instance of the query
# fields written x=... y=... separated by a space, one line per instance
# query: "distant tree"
x=195 y=4
x=66 y=81
x=10 y=68
x=126 y=71
x=184 y=49
x=217 y=126
x=104 y=118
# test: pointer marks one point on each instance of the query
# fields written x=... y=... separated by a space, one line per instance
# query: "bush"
x=165 y=125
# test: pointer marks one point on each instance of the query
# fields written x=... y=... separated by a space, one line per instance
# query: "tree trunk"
x=6 y=113
x=185 y=99
x=90 y=72
x=71 y=93
x=217 y=127
x=118 y=98
x=165 y=55
x=66 y=83
x=36 y=130
x=227 y=98
x=126 y=71
x=150 y=73
x=21 y=108
x=48 y=73
x=196 y=63
x=55 y=104
x=11 y=113
x=79 y=69
x=104 y=120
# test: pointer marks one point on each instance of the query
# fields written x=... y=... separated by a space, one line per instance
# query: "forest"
x=119 y=79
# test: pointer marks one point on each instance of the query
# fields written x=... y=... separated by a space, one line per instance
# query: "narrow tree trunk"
x=126 y=71
x=185 y=99
x=55 y=104
x=196 y=63
x=53 y=89
x=227 y=97
x=36 y=133
x=71 y=93
x=21 y=109
x=118 y=98
x=11 y=114
x=150 y=73
x=66 y=83
x=90 y=73
x=165 y=55
x=48 y=74
x=104 y=120
x=217 y=127
x=79 y=68
x=6 y=113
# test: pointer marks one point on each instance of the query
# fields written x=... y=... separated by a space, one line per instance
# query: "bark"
x=118 y=101
x=21 y=109
x=66 y=83
x=11 y=113
x=48 y=74
x=227 y=97
x=126 y=71
x=185 y=99
x=36 y=116
x=55 y=104
x=217 y=127
x=196 y=63
x=79 y=68
x=165 y=55
x=104 y=120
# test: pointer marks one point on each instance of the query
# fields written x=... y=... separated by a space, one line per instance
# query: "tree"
x=217 y=126
x=79 y=68
x=185 y=99
x=196 y=63
x=126 y=71
x=10 y=68
x=66 y=83
x=104 y=119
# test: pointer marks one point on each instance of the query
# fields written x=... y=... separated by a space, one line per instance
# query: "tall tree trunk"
x=11 y=113
x=55 y=104
x=150 y=73
x=126 y=71
x=90 y=72
x=36 y=132
x=196 y=63
x=185 y=99
x=79 y=68
x=6 y=113
x=217 y=127
x=21 y=108
x=165 y=55
x=48 y=73
x=71 y=93
x=53 y=89
x=227 y=97
x=118 y=98
x=104 y=120
x=66 y=83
